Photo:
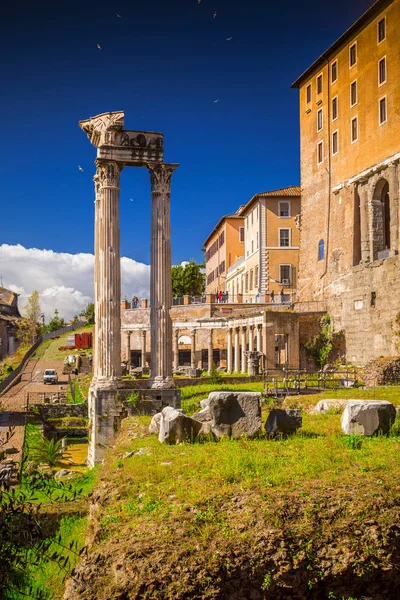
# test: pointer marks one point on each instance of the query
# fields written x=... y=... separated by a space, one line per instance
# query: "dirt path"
x=13 y=403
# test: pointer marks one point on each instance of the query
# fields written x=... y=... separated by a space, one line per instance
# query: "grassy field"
x=12 y=362
x=313 y=515
x=49 y=349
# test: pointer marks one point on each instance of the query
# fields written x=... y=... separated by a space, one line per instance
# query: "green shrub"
x=215 y=375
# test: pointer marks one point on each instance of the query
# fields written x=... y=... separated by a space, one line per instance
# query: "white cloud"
x=64 y=281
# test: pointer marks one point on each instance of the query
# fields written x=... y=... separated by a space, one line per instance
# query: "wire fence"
x=278 y=382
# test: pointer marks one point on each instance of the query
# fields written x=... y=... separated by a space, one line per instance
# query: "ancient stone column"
x=229 y=351
x=143 y=347
x=107 y=293
x=259 y=340
x=193 y=349
x=160 y=277
x=237 y=350
x=210 y=349
x=128 y=346
x=244 y=360
x=176 y=348
x=251 y=330
x=364 y=225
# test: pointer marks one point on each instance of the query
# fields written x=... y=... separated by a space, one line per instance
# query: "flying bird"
x=131 y=199
x=228 y=39
x=198 y=1
x=215 y=15
x=99 y=47
x=80 y=168
x=215 y=101
x=119 y=16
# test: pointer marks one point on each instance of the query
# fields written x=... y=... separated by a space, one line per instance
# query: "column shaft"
x=160 y=277
x=143 y=348
x=364 y=227
x=244 y=361
x=176 y=348
x=251 y=337
x=107 y=293
x=210 y=349
x=193 y=349
x=237 y=351
x=394 y=208
x=259 y=340
x=229 y=352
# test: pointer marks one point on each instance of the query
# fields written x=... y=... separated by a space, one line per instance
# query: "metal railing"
x=286 y=382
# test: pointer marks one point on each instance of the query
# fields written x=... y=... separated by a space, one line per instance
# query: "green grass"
x=49 y=348
x=47 y=577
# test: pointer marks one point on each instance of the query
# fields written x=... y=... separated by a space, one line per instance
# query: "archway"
x=381 y=222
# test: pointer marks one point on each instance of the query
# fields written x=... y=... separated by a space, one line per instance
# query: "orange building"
x=350 y=153
x=223 y=247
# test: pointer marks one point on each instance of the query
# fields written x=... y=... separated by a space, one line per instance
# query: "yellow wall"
x=230 y=251
x=375 y=143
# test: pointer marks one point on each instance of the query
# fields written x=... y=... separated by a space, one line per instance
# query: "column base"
x=161 y=383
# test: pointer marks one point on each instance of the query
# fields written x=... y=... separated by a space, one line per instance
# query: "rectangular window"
x=381 y=30
x=319 y=84
x=257 y=240
x=320 y=152
x=246 y=283
x=335 y=142
x=335 y=108
x=353 y=55
x=247 y=222
x=354 y=130
x=284 y=238
x=308 y=94
x=284 y=208
x=382 y=111
x=252 y=217
x=382 y=71
x=320 y=119
x=334 y=72
x=241 y=234
x=256 y=276
x=252 y=246
x=222 y=239
x=251 y=279
x=353 y=93
x=285 y=274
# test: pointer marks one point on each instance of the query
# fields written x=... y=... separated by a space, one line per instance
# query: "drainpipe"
x=329 y=174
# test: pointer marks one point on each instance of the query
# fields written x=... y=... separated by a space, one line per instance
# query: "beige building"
x=271 y=248
x=223 y=247
x=350 y=153
x=9 y=317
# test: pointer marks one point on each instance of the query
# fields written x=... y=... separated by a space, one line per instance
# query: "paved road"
x=13 y=402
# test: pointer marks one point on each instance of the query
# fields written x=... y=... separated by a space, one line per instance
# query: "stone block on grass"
x=324 y=405
x=235 y=414
x=154 y=426
x=283 y=421
x=367 y=417
x=176 y=427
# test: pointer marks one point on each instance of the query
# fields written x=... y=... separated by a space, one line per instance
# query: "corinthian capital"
x=160 y=176
x=107 y=174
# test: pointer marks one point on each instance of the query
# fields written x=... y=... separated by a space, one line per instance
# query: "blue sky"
x=164 y=63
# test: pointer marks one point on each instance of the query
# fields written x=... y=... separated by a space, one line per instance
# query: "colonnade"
x=240 y=339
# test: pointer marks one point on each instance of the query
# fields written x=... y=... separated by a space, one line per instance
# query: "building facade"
x=350 y=153
x=271 y=248
x=223 y=247
x=9 y=316
x=209 y=333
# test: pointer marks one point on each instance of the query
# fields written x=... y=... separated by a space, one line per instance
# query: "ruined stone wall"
x=366 y=318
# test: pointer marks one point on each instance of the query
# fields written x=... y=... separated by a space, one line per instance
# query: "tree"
x=55 y=323
x=28 y=328
x=88 y=313
x=188 y=280
x=321 y=346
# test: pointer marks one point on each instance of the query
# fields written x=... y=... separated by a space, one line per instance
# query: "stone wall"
x=363 y=303
x=58 y=411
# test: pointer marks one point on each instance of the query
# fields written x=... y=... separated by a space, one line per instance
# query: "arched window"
x=321 y=250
